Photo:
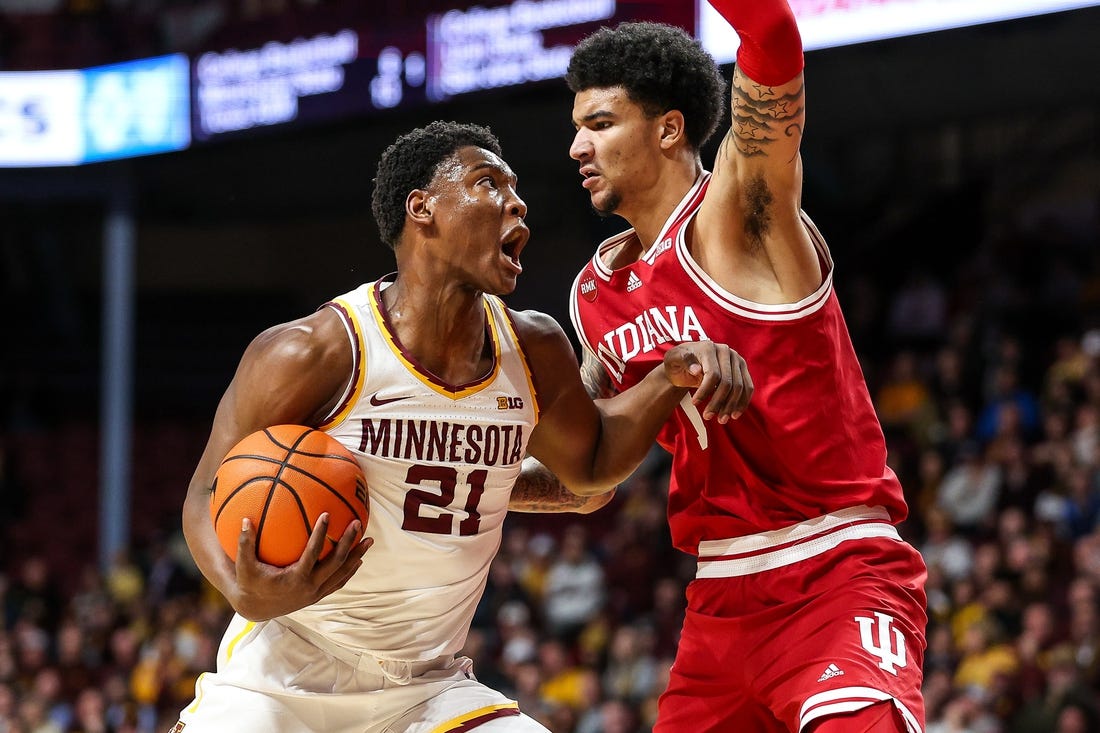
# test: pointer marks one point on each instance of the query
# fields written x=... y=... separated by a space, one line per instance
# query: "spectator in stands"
x=918 y=312
x=574 y=586
x=1009 y=408
x=943 y=548
x=970 y=490
x=1064 y=687
x=631 y=670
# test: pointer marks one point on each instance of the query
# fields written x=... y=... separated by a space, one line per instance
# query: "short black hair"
x=660 y=66
x=411 y=162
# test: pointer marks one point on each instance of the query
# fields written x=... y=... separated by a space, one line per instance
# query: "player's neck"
x=652 y=208
x=443 y=328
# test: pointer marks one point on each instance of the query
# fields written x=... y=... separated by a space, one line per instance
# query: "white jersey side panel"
x=440 y=461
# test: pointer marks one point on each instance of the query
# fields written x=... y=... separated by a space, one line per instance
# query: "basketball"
x=283 y=478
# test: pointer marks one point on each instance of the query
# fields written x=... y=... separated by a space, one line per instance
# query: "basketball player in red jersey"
x=808 y=610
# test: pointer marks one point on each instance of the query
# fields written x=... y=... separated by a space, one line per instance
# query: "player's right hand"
x=267 y=591
x=719 y=375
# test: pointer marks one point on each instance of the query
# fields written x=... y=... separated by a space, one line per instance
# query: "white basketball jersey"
x=440 y=461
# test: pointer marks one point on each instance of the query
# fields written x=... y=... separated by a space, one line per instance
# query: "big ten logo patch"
x=879 y=637
x=509 y=403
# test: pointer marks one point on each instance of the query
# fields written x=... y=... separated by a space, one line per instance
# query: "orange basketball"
x=282 y=478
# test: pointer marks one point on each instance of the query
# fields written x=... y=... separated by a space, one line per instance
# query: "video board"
x=50 y=118
x=421 y=60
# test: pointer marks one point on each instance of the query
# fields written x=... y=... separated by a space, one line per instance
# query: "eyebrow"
x=497 y=168
x=596 y=115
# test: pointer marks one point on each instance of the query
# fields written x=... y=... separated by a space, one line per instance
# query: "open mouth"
x=514 y=242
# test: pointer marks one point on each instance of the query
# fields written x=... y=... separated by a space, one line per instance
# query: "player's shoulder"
x=533 y=325
x=309 y=339
x=541 y=337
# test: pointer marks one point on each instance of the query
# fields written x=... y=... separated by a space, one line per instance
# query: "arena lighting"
x=828 y=23
x=58 y=118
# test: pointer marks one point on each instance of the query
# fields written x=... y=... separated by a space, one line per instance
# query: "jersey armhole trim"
x=510 y=324
x=354 y=388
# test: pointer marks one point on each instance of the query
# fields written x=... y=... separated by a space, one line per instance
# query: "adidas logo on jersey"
x=633 y=283
x=831 y=671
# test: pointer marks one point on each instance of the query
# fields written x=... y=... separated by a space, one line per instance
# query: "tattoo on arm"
x=595 y=378
x=761 y=116
x=538 y=490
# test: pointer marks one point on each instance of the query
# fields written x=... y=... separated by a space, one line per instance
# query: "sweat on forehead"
x=470 y=159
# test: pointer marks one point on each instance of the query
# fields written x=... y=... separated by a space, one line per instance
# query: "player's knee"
x=882 y=717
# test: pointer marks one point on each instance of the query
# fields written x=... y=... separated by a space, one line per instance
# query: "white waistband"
x=769 y=550
x=395 y=670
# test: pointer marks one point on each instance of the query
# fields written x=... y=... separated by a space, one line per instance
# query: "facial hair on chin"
x=611 y=204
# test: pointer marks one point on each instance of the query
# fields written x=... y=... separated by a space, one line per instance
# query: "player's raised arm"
x=755 y=194
x=592 y=446
x=277 y=381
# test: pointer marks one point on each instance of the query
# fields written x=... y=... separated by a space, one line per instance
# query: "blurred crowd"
x=987 y=381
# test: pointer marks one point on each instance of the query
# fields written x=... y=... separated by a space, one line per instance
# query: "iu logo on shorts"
x=891 y=652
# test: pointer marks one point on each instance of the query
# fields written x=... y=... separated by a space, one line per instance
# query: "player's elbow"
x=600 y=480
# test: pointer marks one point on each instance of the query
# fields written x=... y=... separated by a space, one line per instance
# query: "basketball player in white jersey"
x=441 y=391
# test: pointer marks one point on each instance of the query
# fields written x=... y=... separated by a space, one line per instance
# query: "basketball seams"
x=236 y=490
x=302 y=513
x=327 y=487
x=316 y=484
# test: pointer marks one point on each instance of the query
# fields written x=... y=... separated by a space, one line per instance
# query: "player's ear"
x=672 y=128
x=418 y=206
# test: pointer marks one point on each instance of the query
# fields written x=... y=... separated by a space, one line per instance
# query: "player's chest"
x=632 y=319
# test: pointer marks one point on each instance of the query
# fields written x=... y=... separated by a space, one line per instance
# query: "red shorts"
x=775 y=649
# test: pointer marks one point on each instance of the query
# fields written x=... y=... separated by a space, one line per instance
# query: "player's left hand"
x=265 y=591
x=719 y=375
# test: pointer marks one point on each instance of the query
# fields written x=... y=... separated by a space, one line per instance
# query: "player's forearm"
x=215 y=566
x=630 y=423
x=538 y=490
x=771 y=46
x=207 y=552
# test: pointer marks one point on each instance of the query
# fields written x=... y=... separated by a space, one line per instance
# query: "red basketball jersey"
x=809 y=443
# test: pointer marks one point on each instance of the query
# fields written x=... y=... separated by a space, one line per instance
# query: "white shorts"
x=275 y=678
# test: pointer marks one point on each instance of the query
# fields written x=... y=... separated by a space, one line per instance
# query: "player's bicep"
x=290 y=374
x=567 y=434
x=569 y=424
x=765 y=131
